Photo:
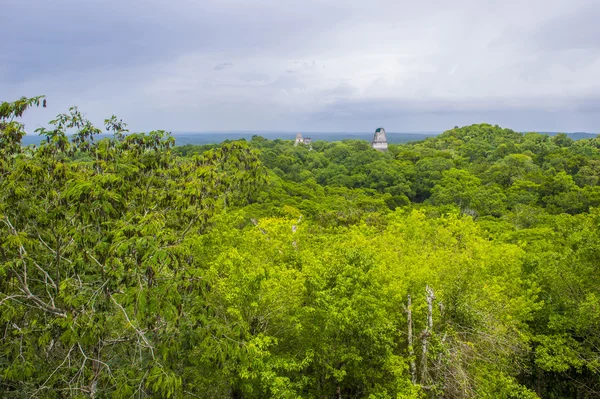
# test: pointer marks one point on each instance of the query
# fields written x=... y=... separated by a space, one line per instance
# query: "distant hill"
x=183 y=138
x=574 y=135
x=199 y=138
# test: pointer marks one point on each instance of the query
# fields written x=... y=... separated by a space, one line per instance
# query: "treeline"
x=461 y=266
x=482 y=169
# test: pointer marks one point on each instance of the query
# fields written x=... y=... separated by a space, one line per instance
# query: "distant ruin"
x=301 y=140
x=380 y=140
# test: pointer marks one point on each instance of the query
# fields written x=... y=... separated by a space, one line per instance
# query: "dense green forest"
x=462 y=266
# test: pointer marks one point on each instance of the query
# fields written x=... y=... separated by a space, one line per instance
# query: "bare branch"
x=411 y=351
x=54 y=372
x=426 y=334
x=138 y=331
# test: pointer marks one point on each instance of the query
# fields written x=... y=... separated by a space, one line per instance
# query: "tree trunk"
x=426 y=334
x=411 y=350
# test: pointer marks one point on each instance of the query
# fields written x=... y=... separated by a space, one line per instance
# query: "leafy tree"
x=96 y=269
x=460 y=266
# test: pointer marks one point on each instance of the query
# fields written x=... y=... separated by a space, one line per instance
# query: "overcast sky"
x=307 y=65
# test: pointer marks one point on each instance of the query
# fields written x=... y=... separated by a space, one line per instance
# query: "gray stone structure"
x=380 y=140
x=302 y=140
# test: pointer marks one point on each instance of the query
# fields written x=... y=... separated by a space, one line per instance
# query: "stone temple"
x=380 y=140
x=301 y=140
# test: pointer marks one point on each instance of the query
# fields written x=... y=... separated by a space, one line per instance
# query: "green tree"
x=95 y=261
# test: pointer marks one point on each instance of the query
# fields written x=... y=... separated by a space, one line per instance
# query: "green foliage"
x=12 y=131
x=94 y=261
x=133 y=268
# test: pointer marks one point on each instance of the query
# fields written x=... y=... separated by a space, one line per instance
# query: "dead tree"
x=427 y=334
x=411 y=350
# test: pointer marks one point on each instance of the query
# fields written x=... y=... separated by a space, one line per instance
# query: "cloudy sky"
x=307 y=65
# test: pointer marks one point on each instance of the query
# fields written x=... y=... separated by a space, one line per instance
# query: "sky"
x=307 y=65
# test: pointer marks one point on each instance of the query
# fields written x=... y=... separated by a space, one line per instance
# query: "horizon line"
x=293 y=132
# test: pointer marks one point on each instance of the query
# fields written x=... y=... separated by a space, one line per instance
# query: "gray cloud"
x=577 y=29
x=331 y=64
x=222 y=65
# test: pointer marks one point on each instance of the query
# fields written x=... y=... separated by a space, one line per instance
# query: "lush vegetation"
x=461 y=266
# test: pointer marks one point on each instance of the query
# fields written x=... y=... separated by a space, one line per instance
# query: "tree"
x=457 y=187
x=96 y=271
x=12 y=131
